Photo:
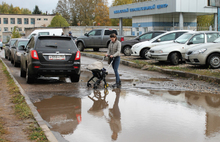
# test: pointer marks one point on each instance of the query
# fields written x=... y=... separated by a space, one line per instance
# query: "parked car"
x=50 y=56
x=206 y=54
x=174 y=52
x=126 y=45
x=42 y=32
x=1 y=45
x=141 y=49
x=97 y=38
x=16 y=50
x=8 y=48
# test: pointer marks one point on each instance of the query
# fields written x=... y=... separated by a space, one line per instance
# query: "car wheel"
x=29 y=78
x=74 y=78
x=95 y=49
x=144 y=53
x=80 y=46
x=22 y=73
x=174 y=58
x=214 y=60
x=127 y=51
x=6 y=56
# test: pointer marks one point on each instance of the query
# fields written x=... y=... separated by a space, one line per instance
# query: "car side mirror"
x=86 y=34
x=158 y=40
x=22 y=47
x=189 y=43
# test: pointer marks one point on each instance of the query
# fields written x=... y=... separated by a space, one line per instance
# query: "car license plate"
x=57 y=57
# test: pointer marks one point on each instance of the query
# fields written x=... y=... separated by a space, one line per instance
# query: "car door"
x=89 y=40
x=195 y=40
x=97 y=39
x=168 y=38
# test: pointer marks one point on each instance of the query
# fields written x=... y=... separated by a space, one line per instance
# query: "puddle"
x=159 y=79
x=134 y=115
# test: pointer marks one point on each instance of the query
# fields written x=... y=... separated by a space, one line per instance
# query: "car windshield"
x=20 y=43
x=12 y=42
x=217 y=40
x=183 y=38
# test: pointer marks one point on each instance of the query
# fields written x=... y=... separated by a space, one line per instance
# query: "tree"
x=58 y=21
x=36 y=10
x=15 y=33
x=6 y=9
x=102 y=14
x=205 y=20
x=125 y=22
x=64 y=8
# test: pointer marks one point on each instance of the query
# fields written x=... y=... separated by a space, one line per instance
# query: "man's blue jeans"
x=115 y=65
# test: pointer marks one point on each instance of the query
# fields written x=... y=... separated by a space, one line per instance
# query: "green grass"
x=22 y=110
x=2 y=131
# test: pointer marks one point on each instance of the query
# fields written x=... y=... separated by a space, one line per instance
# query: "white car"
x=176 y=51
x=141 y=49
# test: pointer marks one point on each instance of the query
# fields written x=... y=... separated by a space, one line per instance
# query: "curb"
x=161 y=70
x=50 y=136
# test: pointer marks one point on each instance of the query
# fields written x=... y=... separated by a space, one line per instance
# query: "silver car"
x=174 y=52
x=206 y=54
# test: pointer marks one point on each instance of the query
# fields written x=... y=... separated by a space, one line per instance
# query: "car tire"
x=95 y=49
x=174 y=58
x=29 y=77
x=127 y=51
x=80 y=46
x=16 y=64
x=22 y=73
x=6 y=56
x=74 y=78
x=144 y=53
x=214 y=61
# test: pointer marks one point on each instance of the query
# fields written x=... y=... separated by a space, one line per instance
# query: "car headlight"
x=18 y=53
x=201 y=51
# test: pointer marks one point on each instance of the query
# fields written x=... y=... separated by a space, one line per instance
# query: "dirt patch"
x=16 y=130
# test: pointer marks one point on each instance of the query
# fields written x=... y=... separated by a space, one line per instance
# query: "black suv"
x=50 y=56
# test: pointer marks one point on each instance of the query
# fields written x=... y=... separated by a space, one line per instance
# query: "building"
x=9 y=21
x=163 y=14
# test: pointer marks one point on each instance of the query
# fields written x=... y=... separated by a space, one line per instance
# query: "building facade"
x=9 y=21
x=163 y=14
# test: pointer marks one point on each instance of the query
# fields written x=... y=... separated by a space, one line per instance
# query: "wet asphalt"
x=149 y=106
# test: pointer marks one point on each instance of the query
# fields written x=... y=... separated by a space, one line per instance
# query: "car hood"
x=142 y=43
x=166 y=46
x=206 y=45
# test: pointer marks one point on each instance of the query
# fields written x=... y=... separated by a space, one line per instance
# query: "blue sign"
x=141 y=8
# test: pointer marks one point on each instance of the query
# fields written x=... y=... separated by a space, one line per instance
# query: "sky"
x=43 y=5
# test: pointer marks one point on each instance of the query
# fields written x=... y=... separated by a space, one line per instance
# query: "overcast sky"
x=43 y=5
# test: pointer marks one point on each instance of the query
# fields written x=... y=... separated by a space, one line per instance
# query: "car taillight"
x=122 y=38
x=34 y=55
x=77 y=55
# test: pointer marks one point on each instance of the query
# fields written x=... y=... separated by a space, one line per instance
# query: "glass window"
x=168 y=37
x=19 y=29
x=5 y=20
x=22 y=43
x=45 y=19
x=32 y=20
x=19 y=21
x=157 y=34
x=200 y=38
x=92 y=33
x=26 y=21
x=12 y=20
x=5 y=29
x=0 y=20
x=108 y=32
x=98 y=32
x=0 y=29
x=38 y=19
x=212 y=36
x=146 y=36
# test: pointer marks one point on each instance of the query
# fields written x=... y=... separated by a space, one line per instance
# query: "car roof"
x=52 y=36
x=197 y=32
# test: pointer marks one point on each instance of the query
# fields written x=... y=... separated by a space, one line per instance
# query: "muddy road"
x=149 y=106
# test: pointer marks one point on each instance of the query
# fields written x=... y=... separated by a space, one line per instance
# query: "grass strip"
x=22 y=110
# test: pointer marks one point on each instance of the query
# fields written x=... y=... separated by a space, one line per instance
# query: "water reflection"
x=62 y=113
